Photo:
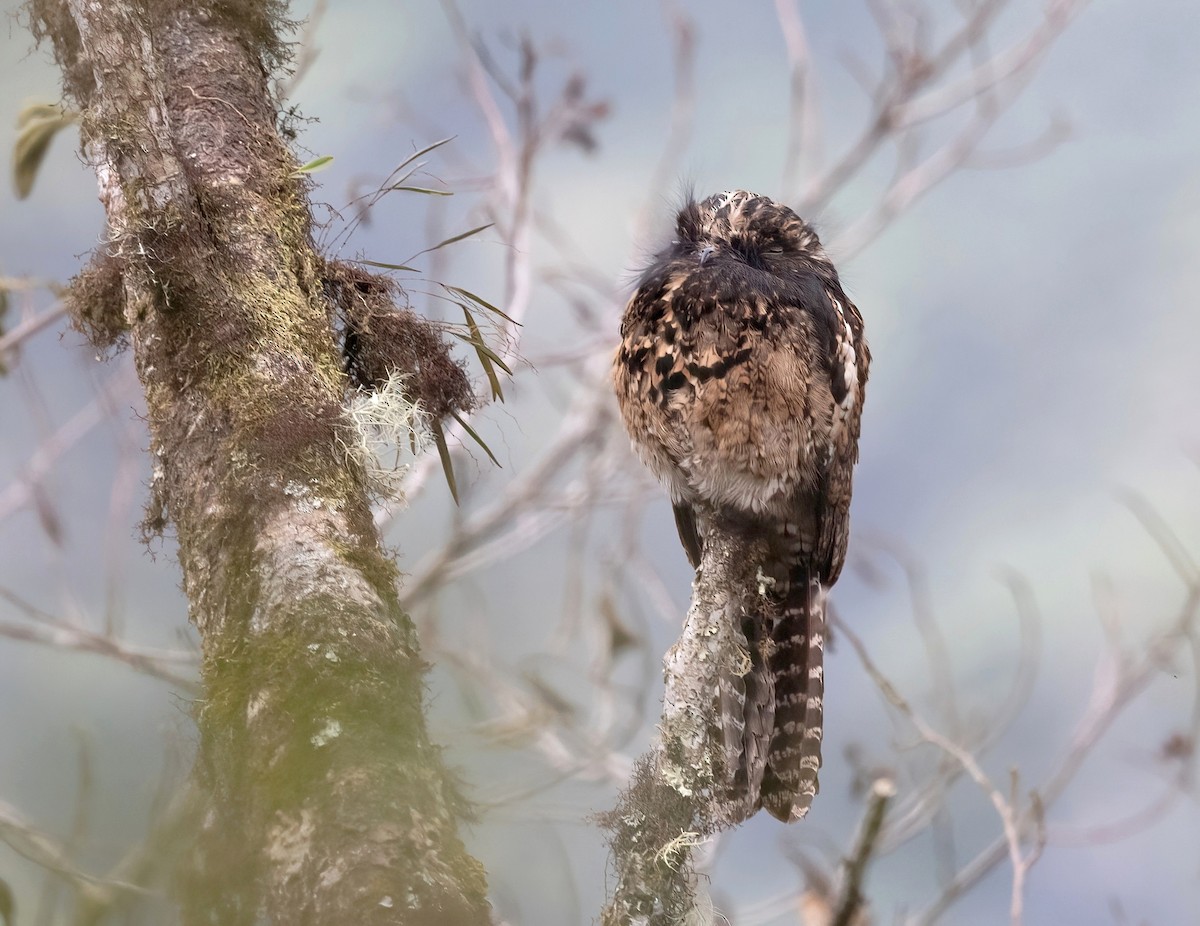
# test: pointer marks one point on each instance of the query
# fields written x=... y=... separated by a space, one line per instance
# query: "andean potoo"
x=740 y=378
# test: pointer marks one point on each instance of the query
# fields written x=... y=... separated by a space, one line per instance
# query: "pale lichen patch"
x=289 y=841
x=329 y=732
x=254 y=706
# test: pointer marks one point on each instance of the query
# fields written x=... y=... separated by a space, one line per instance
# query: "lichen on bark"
x=326 y=799
x=686 y=788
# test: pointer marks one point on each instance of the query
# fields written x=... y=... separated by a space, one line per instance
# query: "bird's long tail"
x=797 y=665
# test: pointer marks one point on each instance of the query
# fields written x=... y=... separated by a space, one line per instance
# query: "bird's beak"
x=706 y=253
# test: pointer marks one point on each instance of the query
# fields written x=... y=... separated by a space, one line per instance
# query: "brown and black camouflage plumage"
x=740 y=377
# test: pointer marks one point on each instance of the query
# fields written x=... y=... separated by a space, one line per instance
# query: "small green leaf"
x=313 y=166
x=421 y=189
x=37 y=124
x=439 y=438
x=383 y=266
x=481 y=302
x=479 y=440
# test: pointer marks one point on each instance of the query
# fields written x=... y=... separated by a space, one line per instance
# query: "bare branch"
x=852 y=898
x=1022 y=56
x=1111 y=696
x=18 y=335
x=20 y=493
x=683 y=105
x=1005 y=810
x=30 y=843
x=46 y=630
x=804 y=118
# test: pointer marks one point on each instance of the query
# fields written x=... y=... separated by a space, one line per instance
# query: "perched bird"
x=740 y=378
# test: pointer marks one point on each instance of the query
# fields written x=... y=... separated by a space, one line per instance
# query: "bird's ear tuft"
x=687 y=212
x=688 y=223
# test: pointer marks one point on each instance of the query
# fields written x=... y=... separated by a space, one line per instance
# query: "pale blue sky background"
x=1035 y=333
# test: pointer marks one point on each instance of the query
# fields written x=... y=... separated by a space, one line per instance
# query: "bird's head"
x=745 y=225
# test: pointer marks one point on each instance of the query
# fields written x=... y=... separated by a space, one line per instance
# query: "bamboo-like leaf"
x=478 y=345
x=481 y=302
x=424 y=151
x=485 y=359
x=475 y=437
x=454 y=238
x=420 y=189
x=313 y=166
x=439 y=438
x=383 y=266
x=37 y=124
x=396 y=184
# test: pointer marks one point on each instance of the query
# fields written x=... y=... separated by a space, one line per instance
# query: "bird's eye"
x=773 y=250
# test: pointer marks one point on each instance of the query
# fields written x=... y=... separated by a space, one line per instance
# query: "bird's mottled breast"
x=741 y=363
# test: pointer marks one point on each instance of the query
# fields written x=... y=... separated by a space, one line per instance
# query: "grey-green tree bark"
x=325 y=799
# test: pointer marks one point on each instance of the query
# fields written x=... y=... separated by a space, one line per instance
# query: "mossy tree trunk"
x=327 y=802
